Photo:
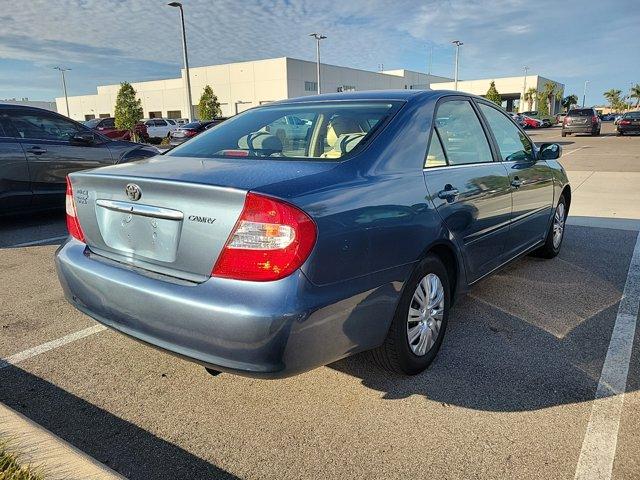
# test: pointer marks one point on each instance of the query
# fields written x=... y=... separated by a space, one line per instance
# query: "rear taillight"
x=624 y=122
x=566 y=120
x=594 y=119
x=270 y=241
x=73 y=225
x=190 y=133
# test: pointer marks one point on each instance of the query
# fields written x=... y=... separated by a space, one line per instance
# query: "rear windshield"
x=634 y=115
x=191 y=125
x=92 y=123
x=323 y=130
x=581 y=112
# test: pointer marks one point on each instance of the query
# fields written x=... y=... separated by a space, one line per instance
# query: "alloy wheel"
x=558 y=225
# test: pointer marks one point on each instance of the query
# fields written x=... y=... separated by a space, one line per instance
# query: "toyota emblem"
x=133 y=191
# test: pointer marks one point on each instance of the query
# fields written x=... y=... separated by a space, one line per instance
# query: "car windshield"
x=633 y=115
x=318 y=130
x=582 y=112
x=92 y=123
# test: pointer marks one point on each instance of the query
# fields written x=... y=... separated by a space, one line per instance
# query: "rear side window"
x=512 y=143
x=581 y=112
x=43 y=126
x=632 y=115
x=435 y=155
x=463 y=138
x=314 y=130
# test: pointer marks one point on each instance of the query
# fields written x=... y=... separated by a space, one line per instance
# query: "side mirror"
x=83 y=138
x=550 y=151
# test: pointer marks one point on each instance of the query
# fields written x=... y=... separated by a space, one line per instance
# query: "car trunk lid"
x=172 y=215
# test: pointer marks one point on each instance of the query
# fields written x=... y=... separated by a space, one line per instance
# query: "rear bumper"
x=260 y=329
x=580 y=129
x=628 y=128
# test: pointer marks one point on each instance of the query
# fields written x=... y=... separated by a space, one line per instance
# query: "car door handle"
x=516 y=182
x=449 y=193
x=37 y=150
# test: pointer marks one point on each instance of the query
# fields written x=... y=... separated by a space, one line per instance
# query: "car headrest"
x=341 y=125
x=344 y=144
x=260 y=141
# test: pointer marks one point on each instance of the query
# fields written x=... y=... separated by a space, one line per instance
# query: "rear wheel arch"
x=566 y=193
x=447 y=255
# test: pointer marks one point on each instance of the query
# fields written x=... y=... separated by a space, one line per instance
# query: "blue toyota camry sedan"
x=256 y=252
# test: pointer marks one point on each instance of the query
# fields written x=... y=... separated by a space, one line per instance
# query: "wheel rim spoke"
x=426 y=313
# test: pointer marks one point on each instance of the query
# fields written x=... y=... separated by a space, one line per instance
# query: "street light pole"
x=584 y=93
x=318 y=37
x=64 y=85
x=457 y=43
x=524 y=86
x=186 y=58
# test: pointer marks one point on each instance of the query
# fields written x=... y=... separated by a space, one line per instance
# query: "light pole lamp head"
x=457 y=43
x=175 y=4
x=317 y=36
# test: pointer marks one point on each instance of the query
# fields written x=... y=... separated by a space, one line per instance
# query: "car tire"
x=552 y=244
x=619 y=134
x=563 y=134
x=409 y=347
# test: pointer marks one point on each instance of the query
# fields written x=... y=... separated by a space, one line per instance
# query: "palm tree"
x=569 y=100
x=529 y=95
x=548 y=94
x=613 y=97
x=635 y=93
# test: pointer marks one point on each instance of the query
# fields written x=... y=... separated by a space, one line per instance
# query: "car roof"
x=14 y=106
x=405 y=95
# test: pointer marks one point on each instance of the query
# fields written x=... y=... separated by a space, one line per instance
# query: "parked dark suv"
x=581 y=120
x=38 y=148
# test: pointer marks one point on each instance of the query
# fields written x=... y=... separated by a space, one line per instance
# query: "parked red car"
x=531 y=122
x=107 y=127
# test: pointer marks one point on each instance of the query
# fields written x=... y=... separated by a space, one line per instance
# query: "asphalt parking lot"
x=510 y=395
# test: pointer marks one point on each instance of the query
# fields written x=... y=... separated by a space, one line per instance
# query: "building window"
x=310 y=86
x=155 y=114
x=104 y=115
x=174 y=114
x=89 y=117
x=347 y=88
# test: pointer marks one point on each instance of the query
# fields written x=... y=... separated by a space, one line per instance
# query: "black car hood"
x=123 y=151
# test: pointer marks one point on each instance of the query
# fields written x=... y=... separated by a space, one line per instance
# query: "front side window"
x=463 y=138
x=512 y=143
x=43 y=126
x=324 y=130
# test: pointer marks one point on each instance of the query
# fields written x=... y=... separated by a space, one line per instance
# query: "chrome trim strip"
x=143 y=210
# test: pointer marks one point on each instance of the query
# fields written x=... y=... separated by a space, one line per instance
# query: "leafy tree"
x=529 y=95
x=128 y=109
x=569 y=100
x=547 y=96
x=543 y=103
x=635 y=94
x=613 y=97
x=493 y=95
x=209 y=106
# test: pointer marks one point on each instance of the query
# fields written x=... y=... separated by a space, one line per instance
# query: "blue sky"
x=109 y=41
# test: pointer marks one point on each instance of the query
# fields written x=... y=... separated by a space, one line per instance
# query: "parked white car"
x=160 y=127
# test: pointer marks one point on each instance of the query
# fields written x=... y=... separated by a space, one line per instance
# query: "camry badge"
x=133 y=191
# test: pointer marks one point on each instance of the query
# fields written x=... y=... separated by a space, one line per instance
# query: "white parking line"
x=573 y=151
x=601 y=438
x=38 y=242
x=53 y=344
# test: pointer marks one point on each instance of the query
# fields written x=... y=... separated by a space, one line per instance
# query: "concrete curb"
x=39 y=447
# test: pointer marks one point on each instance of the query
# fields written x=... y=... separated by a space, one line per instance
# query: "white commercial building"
x=240 y=86
x=243 y=85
